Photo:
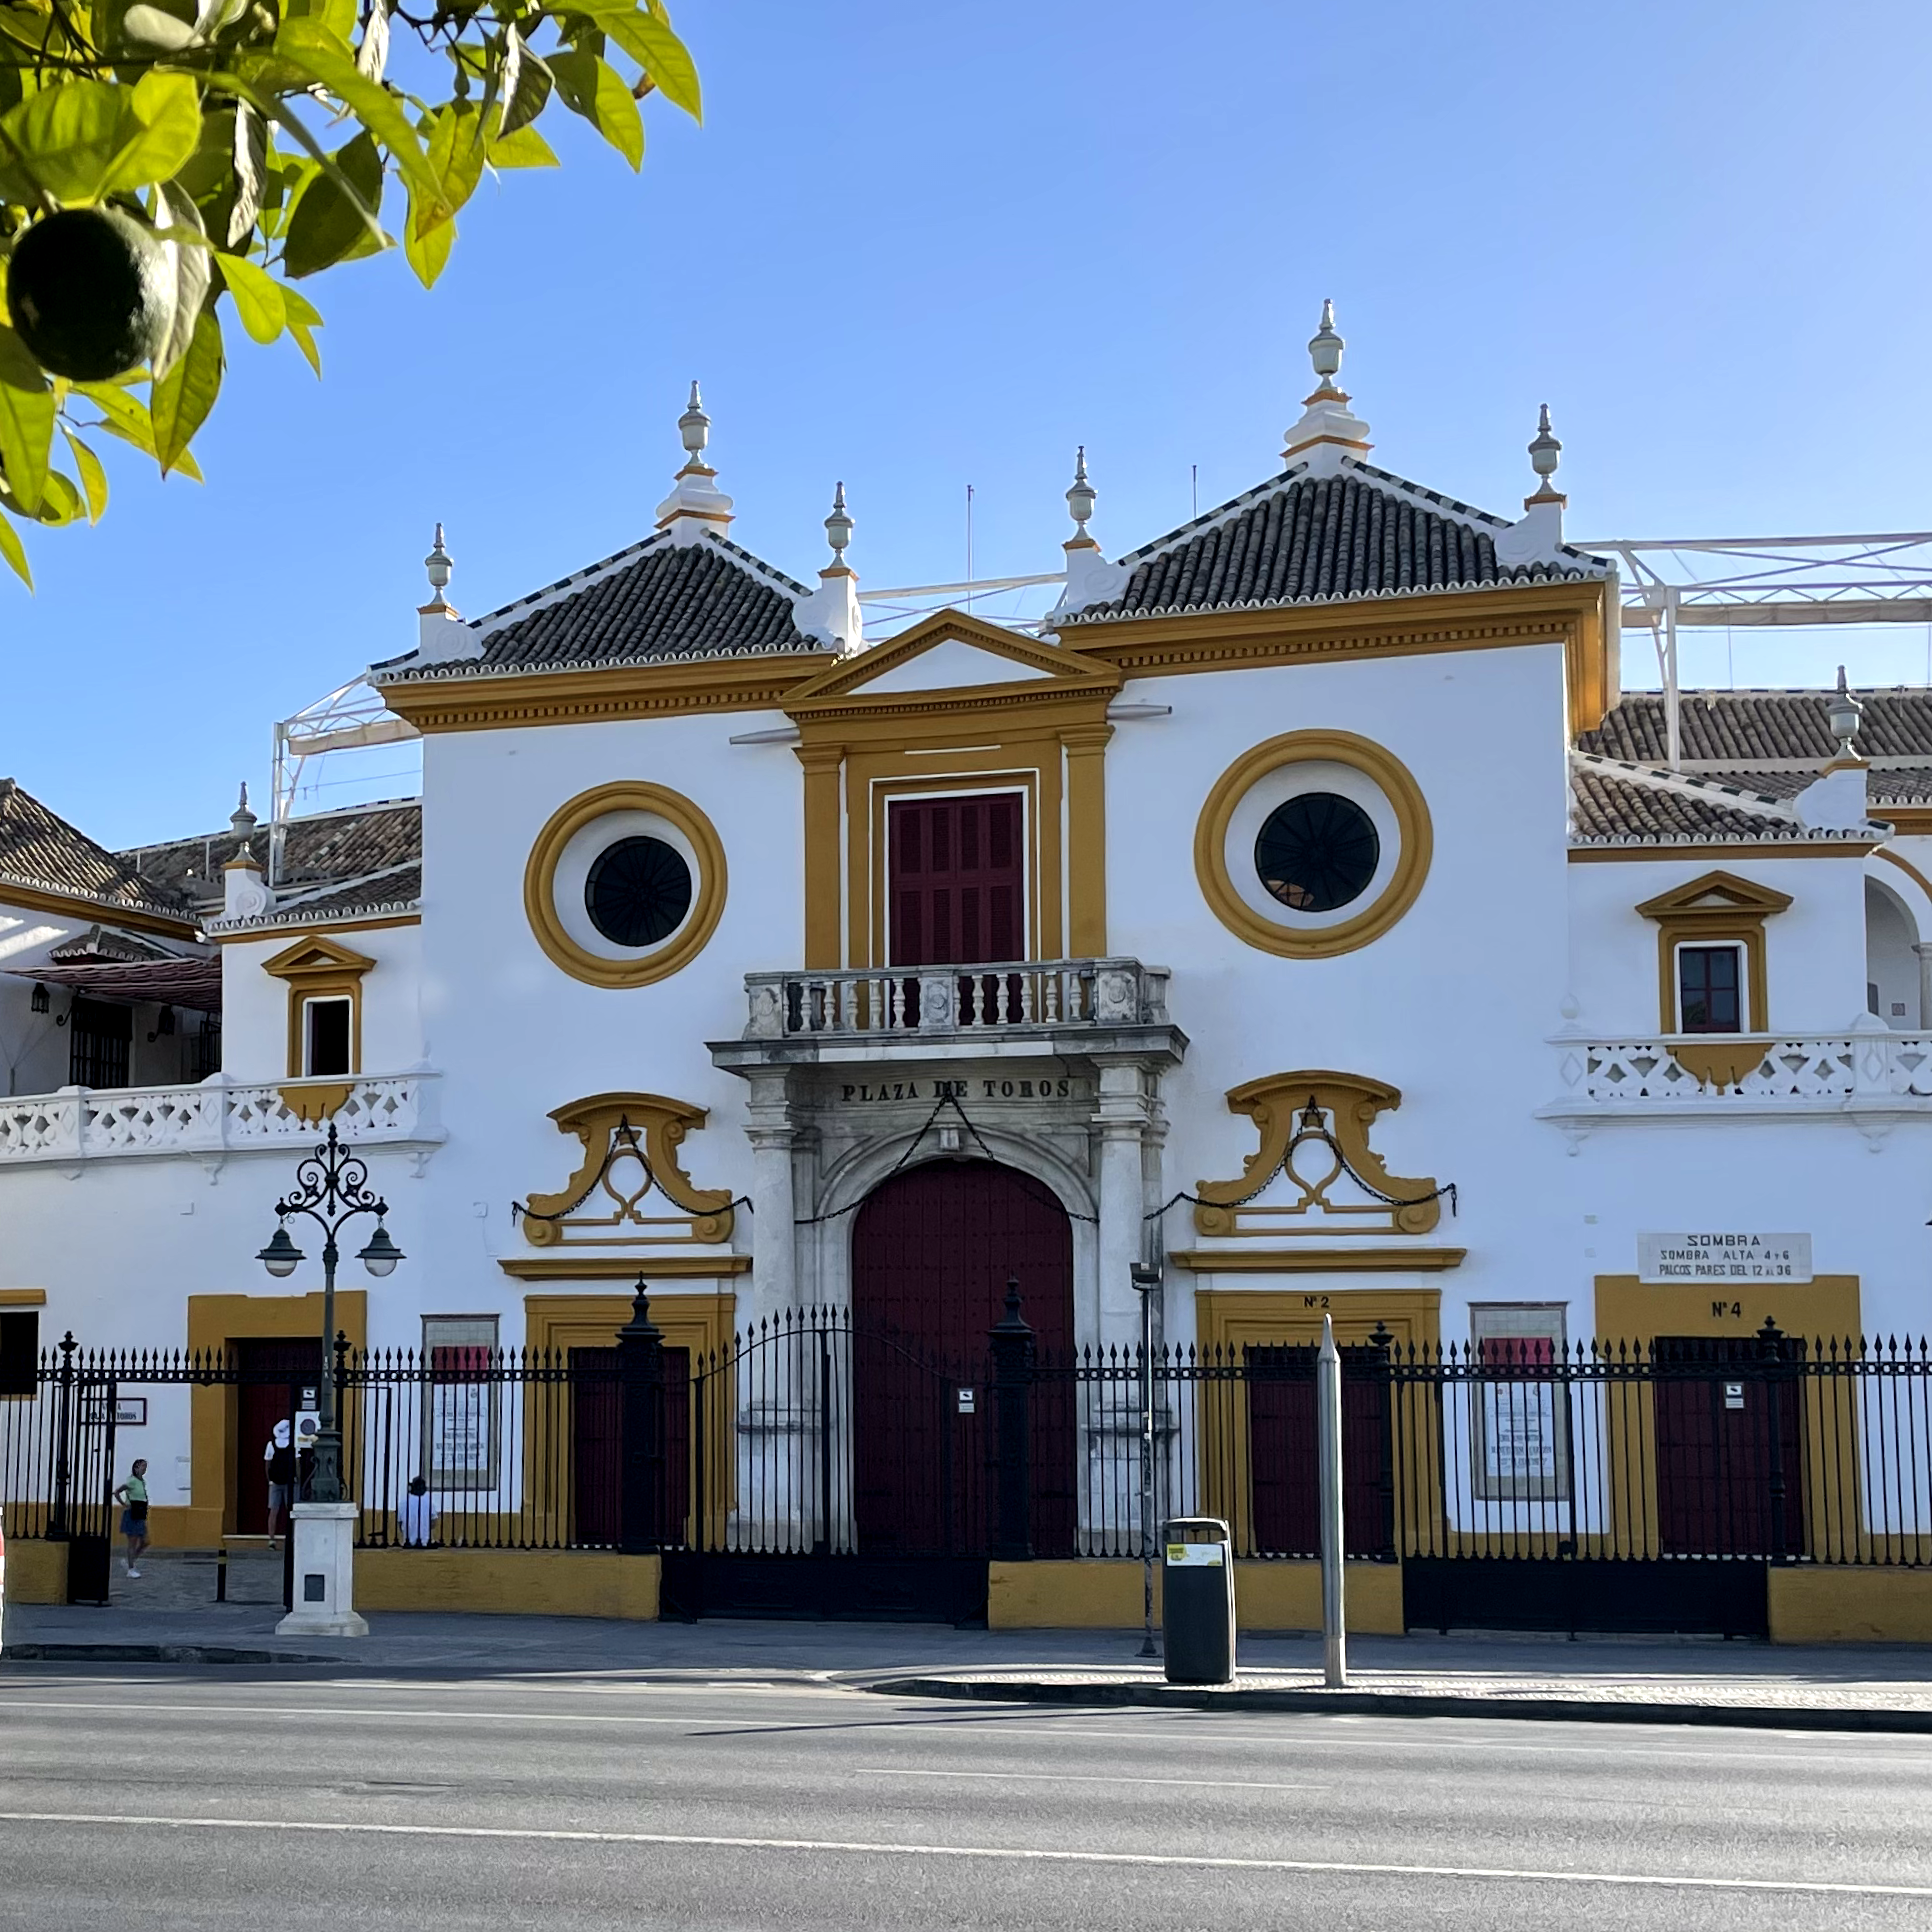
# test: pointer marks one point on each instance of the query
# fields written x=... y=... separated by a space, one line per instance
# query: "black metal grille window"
x=1707 y=989
x=204 y=1048
x=638 y=892
x=98 y=1039
x=1317 y=852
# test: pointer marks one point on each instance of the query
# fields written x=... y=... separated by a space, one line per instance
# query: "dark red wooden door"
x=1714 y=1406
x=956 y=880
x=931 y=1253
x=277 y=1372
x=1282 y=1453
x=597 y=1445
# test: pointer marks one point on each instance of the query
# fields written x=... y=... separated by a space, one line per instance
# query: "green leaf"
x=456 y=156
x=250 y=161
x=17 y=364
x=647 y=37
x=93 y=475
x=193 y=273
x=182 y=400
x=372 y=56
x=526 y=148
x=84 y=139
x=304 y=318
x=15 y=552
x=427 y=253
x=336 y=16
x=326 y=58
x=127 y=416
x=591 y=87
x=26 y=436
x=257 y=296
x=330 y=221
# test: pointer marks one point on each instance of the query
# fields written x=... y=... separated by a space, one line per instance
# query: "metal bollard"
x=221 y=1576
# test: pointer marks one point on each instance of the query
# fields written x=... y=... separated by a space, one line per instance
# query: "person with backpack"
x=133 y=1498
x=279 y=1454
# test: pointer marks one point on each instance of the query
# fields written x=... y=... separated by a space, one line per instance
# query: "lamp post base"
x=325 y=1549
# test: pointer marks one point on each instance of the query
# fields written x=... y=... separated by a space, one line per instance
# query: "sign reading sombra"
x=1719 y=1255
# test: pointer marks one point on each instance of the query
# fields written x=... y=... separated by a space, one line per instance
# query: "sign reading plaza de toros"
x=1718 y=1256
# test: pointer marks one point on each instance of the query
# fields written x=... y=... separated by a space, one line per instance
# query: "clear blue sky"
x=917 y=246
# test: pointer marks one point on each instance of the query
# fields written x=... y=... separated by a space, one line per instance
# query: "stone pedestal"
x=325 y=1552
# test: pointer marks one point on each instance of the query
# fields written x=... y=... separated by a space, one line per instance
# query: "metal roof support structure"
x=352 y=717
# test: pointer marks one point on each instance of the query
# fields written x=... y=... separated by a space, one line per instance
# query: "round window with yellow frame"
x=625 y=884
x=1313 y=844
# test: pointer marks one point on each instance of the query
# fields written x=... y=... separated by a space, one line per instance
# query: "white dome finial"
x=1327 y=430
x=1081 y=498
x=439 y=567
x=695 y=504
x=838 y=526
x=1325 y=348
x=694 y=426
x=1545 y=453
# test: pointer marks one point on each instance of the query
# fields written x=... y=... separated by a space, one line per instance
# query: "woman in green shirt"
x=133 y=1498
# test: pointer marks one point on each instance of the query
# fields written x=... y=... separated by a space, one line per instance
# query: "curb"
x=1369 y=1703
x=38 y=1653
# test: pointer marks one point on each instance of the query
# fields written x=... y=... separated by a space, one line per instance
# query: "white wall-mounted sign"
x=1722 y=1256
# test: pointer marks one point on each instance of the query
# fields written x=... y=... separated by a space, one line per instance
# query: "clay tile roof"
x=1615 y=804
x=39 y=848
x=1736 y=727
x=658 y=601
x=1299 y=539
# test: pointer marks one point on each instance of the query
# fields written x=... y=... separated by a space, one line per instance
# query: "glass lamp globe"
x=381 y=1255
x=281 y=1254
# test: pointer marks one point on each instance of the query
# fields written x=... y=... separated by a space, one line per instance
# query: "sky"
x=914 y=248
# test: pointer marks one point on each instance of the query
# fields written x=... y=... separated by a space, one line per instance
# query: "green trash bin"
x=1197 y=1600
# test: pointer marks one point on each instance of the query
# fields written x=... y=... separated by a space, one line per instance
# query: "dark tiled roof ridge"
x=1614 y=805
x=42 y=851
x=1673 y=779
x=263 y=825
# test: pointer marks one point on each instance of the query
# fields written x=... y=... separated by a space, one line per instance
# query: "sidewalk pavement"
x=1647 y=1680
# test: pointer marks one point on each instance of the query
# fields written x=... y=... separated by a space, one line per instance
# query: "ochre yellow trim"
x=1908 y=868
x=618 y=1267
x=317 y=967
x=1237 y=1318
x=1398 y=785
x=1829 y=1603
x=528 y=1583
x=1274 y=1103
x=540 y=884
x=215 y=1321
x=255 y=936
x=823 y=811
x=1908 y=821
x=1571 y=614
x=1637 y=1312
x=1318 y=1261
x=23 y=1298
x=1737 y=854
x=313 y=1102
x=1086 y=747
x=662 y=1125
x=623 y=691
x=36 y=1570
x=1104 y=1593
x=1736 y=919
x=33 y=899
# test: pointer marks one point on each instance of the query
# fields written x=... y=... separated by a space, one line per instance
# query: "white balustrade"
x=1719 y=1073
x=1006 y=996
x=215 y=1116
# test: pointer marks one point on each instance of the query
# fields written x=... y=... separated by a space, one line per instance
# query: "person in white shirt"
x=417 y=1517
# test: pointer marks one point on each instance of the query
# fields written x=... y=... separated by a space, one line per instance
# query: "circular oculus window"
x=1317 y=852
x=1312 y=844
x=638 y=891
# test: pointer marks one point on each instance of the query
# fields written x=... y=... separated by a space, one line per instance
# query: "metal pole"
x=1328 y=1386
x=326 y=1484
x=1147 y=1282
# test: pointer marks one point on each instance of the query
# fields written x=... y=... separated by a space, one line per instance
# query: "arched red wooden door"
x=931 y=1252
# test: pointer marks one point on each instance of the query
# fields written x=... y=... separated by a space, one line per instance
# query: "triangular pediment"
x=1716 y=892
x=317 y=955
x=953 y=652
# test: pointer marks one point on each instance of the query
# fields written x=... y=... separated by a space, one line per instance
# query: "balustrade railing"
x=219 y=1114
x=1001 y=996
x=1720 y=1070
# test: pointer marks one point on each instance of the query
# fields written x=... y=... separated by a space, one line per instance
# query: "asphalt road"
x=173 y=1799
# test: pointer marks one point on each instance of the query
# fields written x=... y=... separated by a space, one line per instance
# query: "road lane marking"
x=1604 y=1746
x=1012 y=1854
x=1068 y=1777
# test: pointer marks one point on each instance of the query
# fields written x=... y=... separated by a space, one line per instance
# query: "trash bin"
x=1197 y=1600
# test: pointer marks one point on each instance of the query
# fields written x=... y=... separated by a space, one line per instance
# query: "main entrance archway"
x=932 y=1252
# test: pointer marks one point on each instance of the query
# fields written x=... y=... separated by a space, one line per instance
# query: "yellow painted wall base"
x=1104 y=1593
x=36 y=1572
x=1839 y=1604
x=530 y=1583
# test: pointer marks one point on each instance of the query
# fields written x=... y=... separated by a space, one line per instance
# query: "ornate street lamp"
x=331 y=1188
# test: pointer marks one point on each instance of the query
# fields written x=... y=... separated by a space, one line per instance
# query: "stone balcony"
x=1000 y=1010
x=218 y=1116
x=1870 y=1074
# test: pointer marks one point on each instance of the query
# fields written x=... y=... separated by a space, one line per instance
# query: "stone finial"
x=695 y=504
x=438 y=567
x=441 y=633
x=1081 y=499
x=838 y=526
x=1843 y=715
x=831 y=614
x=1545 y=453
x=241 y=820
x=244 y=890
x=1327 y=430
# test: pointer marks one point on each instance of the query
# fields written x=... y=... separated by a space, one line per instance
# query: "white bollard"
x=325 y=1555
x=1328 y=1434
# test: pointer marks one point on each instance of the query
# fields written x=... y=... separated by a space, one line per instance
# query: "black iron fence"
x=812 y=1435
